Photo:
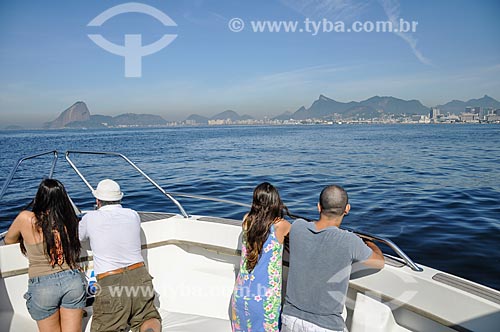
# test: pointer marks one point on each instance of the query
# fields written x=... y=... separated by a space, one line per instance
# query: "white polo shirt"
x=115 y=237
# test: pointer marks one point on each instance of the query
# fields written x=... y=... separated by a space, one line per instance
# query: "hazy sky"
x=47 y=60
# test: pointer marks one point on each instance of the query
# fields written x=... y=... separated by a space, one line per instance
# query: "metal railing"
x=157 y=186
x=390 y=244
x=408 y=261
x=20 y=161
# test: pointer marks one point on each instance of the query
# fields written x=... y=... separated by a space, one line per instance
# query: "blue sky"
x=47 y=61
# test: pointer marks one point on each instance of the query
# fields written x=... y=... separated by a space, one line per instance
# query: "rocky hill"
x=195 y=118
x=132 y=119
x=76 y=112
x=78 y=116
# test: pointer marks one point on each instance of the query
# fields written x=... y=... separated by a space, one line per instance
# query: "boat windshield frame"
x=170 y=195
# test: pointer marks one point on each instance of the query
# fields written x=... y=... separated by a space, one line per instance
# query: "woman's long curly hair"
x=266 y=209
x=57 y=220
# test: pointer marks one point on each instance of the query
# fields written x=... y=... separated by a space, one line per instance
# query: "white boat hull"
x=194 y=263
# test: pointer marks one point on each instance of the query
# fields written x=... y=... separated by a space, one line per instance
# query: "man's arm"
x=376 y=260
x=82 y=229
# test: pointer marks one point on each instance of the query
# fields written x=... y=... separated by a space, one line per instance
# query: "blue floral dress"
x=256 y=300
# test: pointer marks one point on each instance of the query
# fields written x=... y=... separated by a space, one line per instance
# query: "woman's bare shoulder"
x=26 y=218
x=20 y=227
x=281 y=223
x=25 y=215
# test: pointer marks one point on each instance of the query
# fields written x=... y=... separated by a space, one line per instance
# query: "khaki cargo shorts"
x=124 y=300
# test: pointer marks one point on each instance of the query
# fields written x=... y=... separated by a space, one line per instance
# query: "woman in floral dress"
x=256 y=300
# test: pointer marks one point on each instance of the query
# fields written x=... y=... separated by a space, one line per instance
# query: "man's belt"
x=120 y=270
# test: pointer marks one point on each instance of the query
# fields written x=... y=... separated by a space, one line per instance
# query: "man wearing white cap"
x=114 y=234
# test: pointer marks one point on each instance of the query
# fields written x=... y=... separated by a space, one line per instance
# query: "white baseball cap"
x=108 y=190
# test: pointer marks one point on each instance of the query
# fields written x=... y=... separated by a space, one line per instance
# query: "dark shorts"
x=122 y=300
x=46 y=294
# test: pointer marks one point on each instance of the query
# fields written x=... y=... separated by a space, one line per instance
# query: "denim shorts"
x=46 y=294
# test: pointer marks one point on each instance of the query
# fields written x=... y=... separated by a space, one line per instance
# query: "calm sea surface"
x=432 y=189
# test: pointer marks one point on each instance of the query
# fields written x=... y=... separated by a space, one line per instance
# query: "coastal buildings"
x=469 y=115
x=434 y=114
x=493 y=116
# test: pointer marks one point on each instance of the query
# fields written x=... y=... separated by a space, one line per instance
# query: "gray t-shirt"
x=318 y=277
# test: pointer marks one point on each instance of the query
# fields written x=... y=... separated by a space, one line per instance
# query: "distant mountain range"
x=127 y=119
x=78 y=115
x=325 y=108
x=458 y=106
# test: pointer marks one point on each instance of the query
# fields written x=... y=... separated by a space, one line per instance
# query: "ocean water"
x=432 y=189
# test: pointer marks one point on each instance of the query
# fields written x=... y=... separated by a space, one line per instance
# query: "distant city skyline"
x=48 y=62
x=376 y=109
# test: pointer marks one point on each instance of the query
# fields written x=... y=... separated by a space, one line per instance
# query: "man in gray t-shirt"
x=321 y=256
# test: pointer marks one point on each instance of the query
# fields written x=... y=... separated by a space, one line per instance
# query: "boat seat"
x=373 y=316
x=9 y=321
x=180 y=322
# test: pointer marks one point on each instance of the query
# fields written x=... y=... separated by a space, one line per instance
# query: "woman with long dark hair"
x=48 y=235
x=256 y=300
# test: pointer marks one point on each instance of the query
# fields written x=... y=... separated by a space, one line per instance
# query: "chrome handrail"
x=157 y=186
x=387 y=242
x=21 y=160
x=208 y=198
x=390 y=244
